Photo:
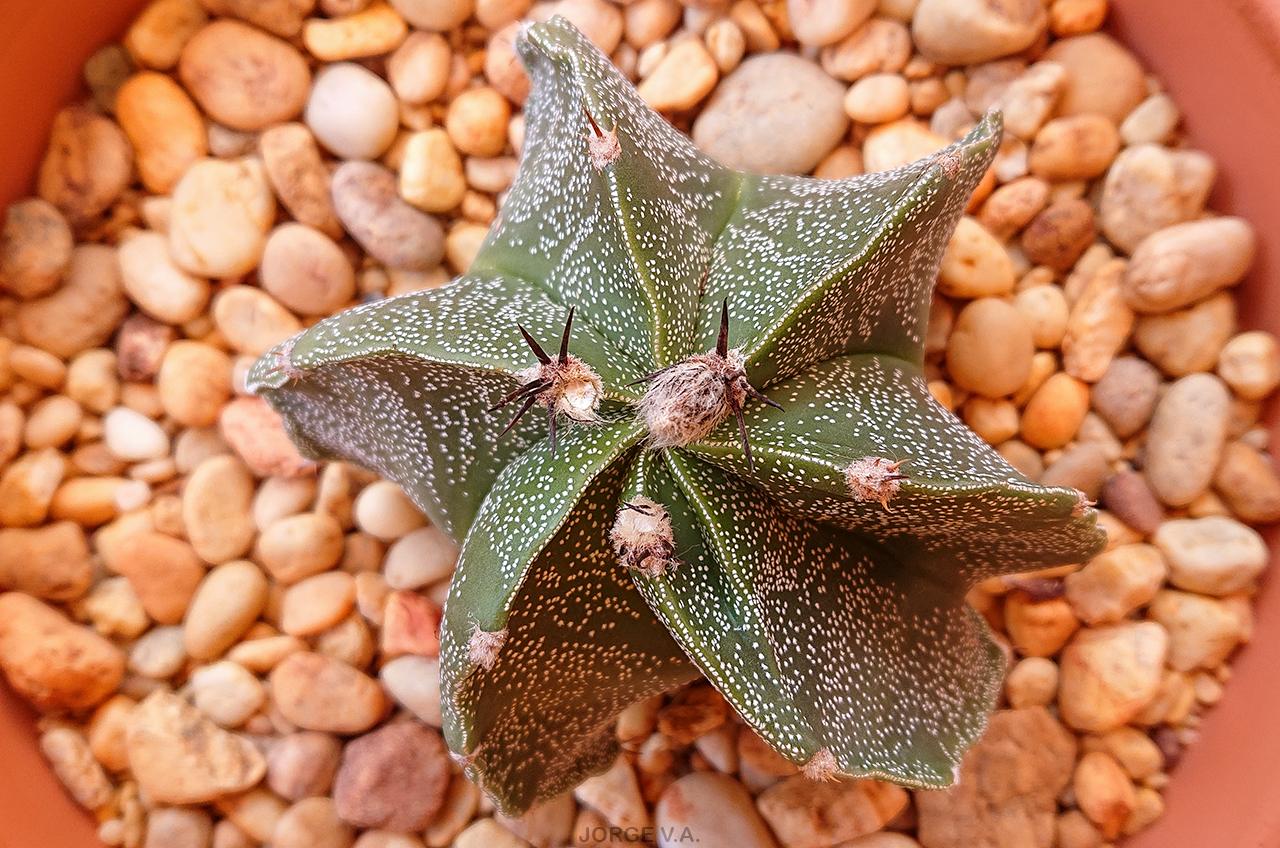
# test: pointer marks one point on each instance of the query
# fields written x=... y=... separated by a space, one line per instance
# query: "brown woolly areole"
x=642 y=537
x=574 y=391
x=685 y=402
x=821 y=766
x=483 y=646
x=874 y=478
x=602 y=147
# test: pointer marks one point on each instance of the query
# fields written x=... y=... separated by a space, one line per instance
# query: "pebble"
x=1098 y=326
x=1028 y=100
x=384 y=511
x=1013 y=205
x=35 y=249
x=256 y=433
x=395 y=233
x=250 y=320
x=280 y=17
x=317 y=603
x=156 y=284
x=91 y=380
x=1150 y=187
x=315 y=692
x=1055 y=412
x=1057 y=236
x=51 y=562
x=163 y=571
x=1006 y=791
x=410 y=625
x=1186 y=438
x=1102 y=77
x=178 y=827
x=280 y=497
x=646 y=22
x=158 y=653
x=805 y=814
x=260 y=655
x=179 y=756
x=431 y=172
x=1115 y=583
x=726 y=44
x=1214 y=555
x=164 y=127
x=1152 y=121
x=1082 y=466
x=1189 y=340
x=878 y=98
x=487 y=833
x=194 y=381
x=51 y=422
x=226 y=692
x=968 y=32
x=373 y=31
x=243 y=77
x=435 y=15
x=420 y=558
x=300 y=546
x=228 y=600
x=1202 y=631
x=817 y=23
x=394 y=778
x=82 y=314
x=27 y=487
x=747 y=122
x=305 y=271
x=476 y=121
x=414 y=682
x=352 y=112
x=715 y=807
x=69 y=754
x=879 y=45
x=615 y=794
x=303 y=764
x=88 y=163
x=502 y=68
x=1110 y=673
x=1184 y=263
x=1250 y=364
x=156 y=37
x=684 y=76
x=113 y=609
x=990 y=348
x=312 y=823
x=975 y=264
x=1073 y=147
x=1247 y=482
x=1038 y=628
x=1104 y=793
x=1032 y=682
x=139 y=348
x=216 y=503
x=418 y=70
x=132 y=436
x=1126 y=395
x=298 y=175
x=222 y=211
x=255 y=812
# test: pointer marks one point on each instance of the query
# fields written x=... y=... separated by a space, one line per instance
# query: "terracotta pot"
x=1221 y=62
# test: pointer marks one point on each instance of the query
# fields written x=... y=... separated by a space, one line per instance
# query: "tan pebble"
x=300 y=546
x=973 y=32
x=222 y=211
x=251 y=321
x=68 y=752
x=280 y=497
x=1082 y=466
x=53 y=663
x=265 y=653
x=256 y=433
x=91 y=380
x=1115 y=583
x=1153 y=121
x=1032 y=682
x=35 y=249
x=435 y=15
x=349 y=641
x=725 y=43
x=431 y=175
x=646 y=22
x=410 y=625
x=113 y=609
x=89 y=501
x=226 y=834
x=1183 y=263
x=302 y=764
x=255 y=812
x=414 y=682
x=995 y=421
x=493 y=176
x=1013 y=205
x=1215 y=555
x=1250 y=364
x=791 y=806
x=1029 y=98
x=385 y=512
x=226 y=692
x=194 y=381
x=878 y=46
x=459 y=808
x=1102 y=77
x=216 y=505
x=371 y=32
x=156 y=37
x=1046 y=311
x=299 y=177
x=352 y=111
x=371 y=594
x=12 y=422
x=615 y=794
x=304 y=270
x=1109 y=674
x=164 y=573
x=601 y=22
x=899 y=143
x=88 y=162
x=974 y=264
x=36 y=366
x=27 y=487
x=1098 y=326
x=316 y=603
x=1131 y=748
x=243 y=77
x=756 y=26
x=418 y=70
x=686 y=74
x=1247 y=482
x=1060 y=234
x=1186 y=438
x=463 y=243
x=1104 y=792
x=51 y=562
x=53 y=421
x=1054 y=413
x=158 y=654
x=476 y=121
x=279 y=17
x=420 y=558
x=1127 y=495
x=1150 y=187
x=317 y=693
x=82 y=314
x=132 y=436
x=1038 y=628
x=845 y=161
x=502 y=68
x=1148 y=808
x=178 y=827
x=1076 y=17
x=1073 y=829
x=163 y=125
x=140 y=345
x=1076 y=147
x=1126 y=394
x=156 y=284
x=817 y=23
x=1188 y=340
x=990 y=349
x=312 y=823
x=394 y=232
x=395 y=778
x=878 y=98
x=107 y=730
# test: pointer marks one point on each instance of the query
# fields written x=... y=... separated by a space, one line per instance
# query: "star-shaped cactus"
x=750 y=480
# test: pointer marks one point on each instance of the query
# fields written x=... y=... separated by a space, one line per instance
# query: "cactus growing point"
x=809 y=554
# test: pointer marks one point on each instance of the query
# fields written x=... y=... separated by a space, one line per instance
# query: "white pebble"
x=414 y=682
x=227 y=693
x=384 y=511
x=352 y=111
x=132 y=436
x=422 y=557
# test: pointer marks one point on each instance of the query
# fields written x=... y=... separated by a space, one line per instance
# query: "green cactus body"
x=818 y=580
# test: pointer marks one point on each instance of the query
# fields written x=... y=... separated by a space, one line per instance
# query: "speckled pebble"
x=89 y=162
x=243 y=77
x=395 y=233
x=1186 y=438
x=292 y=161
x=72 y=761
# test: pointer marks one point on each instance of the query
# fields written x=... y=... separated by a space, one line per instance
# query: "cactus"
x=740 y=471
